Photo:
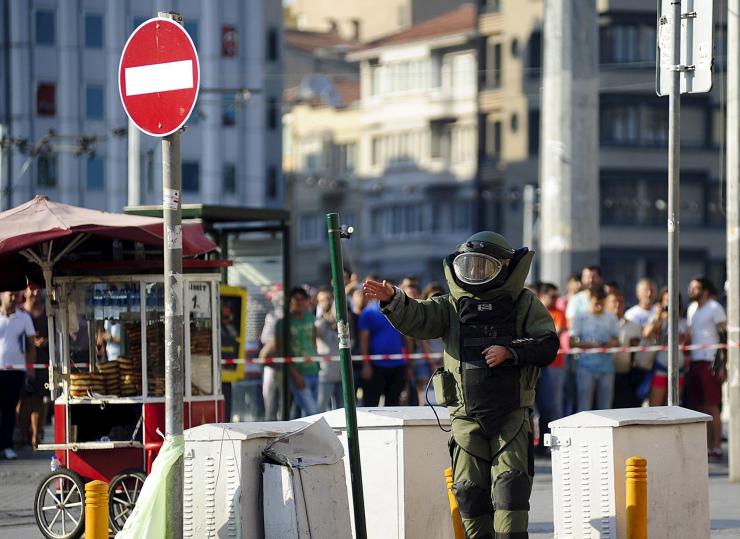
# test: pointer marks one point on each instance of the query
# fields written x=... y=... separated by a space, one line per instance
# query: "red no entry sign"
x=158 y=76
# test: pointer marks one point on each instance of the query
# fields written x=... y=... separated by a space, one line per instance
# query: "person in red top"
x=550 y=385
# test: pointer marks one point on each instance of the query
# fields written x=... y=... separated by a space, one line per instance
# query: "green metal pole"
x=345 y=357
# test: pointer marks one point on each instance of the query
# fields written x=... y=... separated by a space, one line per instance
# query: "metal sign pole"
x=674 y=172
x=733 y=234
x=173 y=316
x=348 y=382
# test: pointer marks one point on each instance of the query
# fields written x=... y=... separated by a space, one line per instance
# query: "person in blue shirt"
x=386 y=376
x=595 y=328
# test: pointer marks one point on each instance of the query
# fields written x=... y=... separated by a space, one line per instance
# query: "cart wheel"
x=60 y=505
x=123 y=492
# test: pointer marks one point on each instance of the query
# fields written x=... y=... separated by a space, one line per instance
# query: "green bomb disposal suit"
x=491 y=444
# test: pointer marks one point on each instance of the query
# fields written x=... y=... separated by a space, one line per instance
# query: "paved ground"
x=19 y=479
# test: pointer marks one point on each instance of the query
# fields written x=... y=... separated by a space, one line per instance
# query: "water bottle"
x=55 y=464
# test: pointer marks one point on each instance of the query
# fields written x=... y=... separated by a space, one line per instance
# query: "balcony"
x=491 y=22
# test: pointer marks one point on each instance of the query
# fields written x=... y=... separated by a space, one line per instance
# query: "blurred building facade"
x=633 y=139
x=366 y=20
x=408 y=170
x=60 y=60
x=398 y=162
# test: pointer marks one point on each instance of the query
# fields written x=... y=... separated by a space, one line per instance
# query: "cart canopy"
x=46 y=229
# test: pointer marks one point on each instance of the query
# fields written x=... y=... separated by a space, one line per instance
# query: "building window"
x=94 y=102
x=641 y=199
x=494 y=66
x=534 y=55
x=494 y=135
x=346 y=158
x=533 y=132
x=93 y=31
x=620 y=124
x=229 y=41
x=45 y=28
x=95 y=174
x=272 y=113
x=272 y=182
x=492 y=6
x=311 y=230
x=191 y=176
x=46 y=170
x=191 y=27
x=228 y=113
x=463 y=144
x=624 y=43
x=273 y=44
x=400 y=220
x=229 y=179
x=46 y=102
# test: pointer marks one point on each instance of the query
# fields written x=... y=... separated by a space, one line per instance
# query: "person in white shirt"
x=17 y=350
x=641 y=313
x=706 y=319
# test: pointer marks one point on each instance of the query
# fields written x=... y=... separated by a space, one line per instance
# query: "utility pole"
x=174 y=341
x=569 y=175
x=674 y=197
x=733 y=234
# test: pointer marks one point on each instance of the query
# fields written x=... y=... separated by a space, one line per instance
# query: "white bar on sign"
x=159 y=77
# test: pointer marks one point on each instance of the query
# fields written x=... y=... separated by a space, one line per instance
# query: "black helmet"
x=478 y=263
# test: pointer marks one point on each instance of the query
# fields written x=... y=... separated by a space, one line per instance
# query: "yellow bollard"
x=637 y=512
x=96 y=510
x=454 y=510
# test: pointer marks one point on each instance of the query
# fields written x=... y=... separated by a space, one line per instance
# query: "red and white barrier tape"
x=421 y=355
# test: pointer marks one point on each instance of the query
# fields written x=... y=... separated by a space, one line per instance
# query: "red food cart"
x=105 y=309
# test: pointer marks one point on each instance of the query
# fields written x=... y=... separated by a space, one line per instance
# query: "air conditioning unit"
x=589 y=451
x=223 y=476
x=403 y=455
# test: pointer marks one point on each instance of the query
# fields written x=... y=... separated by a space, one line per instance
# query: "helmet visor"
x=476 y=268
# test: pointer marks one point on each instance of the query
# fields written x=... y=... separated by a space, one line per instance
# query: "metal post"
x=287 y=350
x=173 y=321
x=674 y=148
x=173 y=315
x=348 y=382
x=733 y=234
x=134 y=164
x=479 y=217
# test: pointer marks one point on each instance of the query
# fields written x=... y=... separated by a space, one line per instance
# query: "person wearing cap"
x=497 y=335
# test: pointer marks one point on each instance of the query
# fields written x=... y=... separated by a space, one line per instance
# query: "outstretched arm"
x=420 y=319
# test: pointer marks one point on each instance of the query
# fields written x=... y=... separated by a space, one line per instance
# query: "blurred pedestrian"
x=626 y=379
x=707 y=321
x=34 y=402
x=327 y=344
x=591 y=278
x=385 y=377
x=271 y=375
x=641 y=313
x=656 y=331
x=17 y=350
x=572 y=287
x=595 y=328
x=417 y=370
x=550 y=385
x=359 y=302
x=433 y=347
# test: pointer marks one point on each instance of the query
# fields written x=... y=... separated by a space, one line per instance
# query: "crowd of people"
x=589 y=316
x=317 y=386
